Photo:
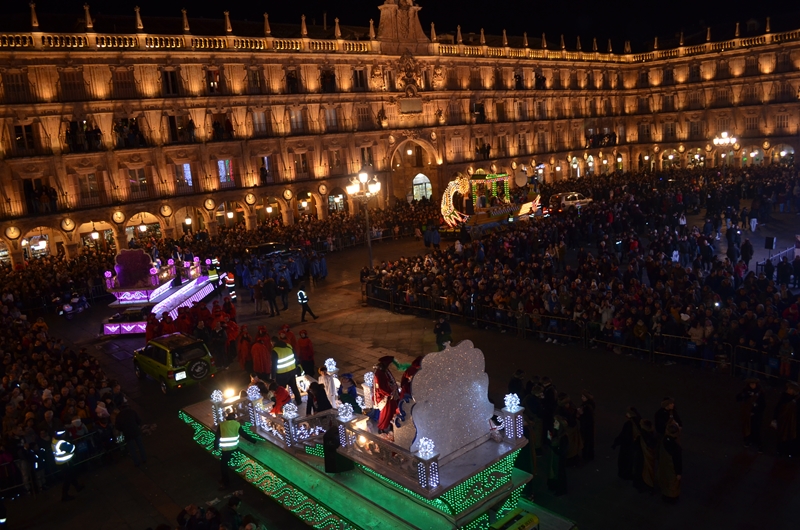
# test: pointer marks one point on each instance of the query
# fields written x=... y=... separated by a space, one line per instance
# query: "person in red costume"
x=262 y=361
x=305 y=352
x=290 y=339
x=232 y=330
x=167 y=325
x=279 y=395
x=408 y=376
x=184 y=321
x=243 y=349
x=386 y=393
x=229 y=308
x=151 y=328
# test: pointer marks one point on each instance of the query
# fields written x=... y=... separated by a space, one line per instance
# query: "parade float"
x=489 y=201
x=141 y=287
x=443 y=464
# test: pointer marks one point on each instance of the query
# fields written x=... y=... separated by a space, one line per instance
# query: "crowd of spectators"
x=644 y=277
x=42 y=279
x=48 y=386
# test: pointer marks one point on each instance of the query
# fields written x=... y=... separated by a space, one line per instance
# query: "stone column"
x=169 y=232
x=119 y=239
x=250 y=221
x=72 y=250
x=353 y=206
x=16 y=255
x=288 y=216
x=212 y=227
x=322 y=208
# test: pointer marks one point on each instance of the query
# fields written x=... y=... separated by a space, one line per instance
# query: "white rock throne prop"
x=451 y=403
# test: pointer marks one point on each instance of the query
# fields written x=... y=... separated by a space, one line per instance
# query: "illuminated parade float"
x=141 y=287
x=488 y=197
x=447 y=459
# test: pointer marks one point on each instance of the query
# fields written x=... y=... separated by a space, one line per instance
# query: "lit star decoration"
x=346 y=412
x=253 y=393
x=290 y=411
x=512 y=402
x=369 y=378
x=216 y=396
x=426 y=447
x=107 y=274
x=330 y=365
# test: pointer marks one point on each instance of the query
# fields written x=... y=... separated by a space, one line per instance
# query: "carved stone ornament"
x=410 y=133
x=410 y=73
x=438 y=75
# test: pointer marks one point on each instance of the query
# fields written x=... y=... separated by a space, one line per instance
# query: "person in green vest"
x=284 y=366
x=63 y=452
x=227 y=441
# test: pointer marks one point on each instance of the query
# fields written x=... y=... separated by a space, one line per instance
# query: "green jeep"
x=175 y=361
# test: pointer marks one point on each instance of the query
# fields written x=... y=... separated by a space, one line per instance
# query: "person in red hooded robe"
x=229 y=308
x=262 y=359
x=305 y=352
x=151 y=329
x=232 y=330
x=243 y=346
x=184 y=321
x=290 y=339
x=386 y=392
x=167 y=324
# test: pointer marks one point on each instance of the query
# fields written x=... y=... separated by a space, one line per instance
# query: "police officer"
x=302 y=299
x=63 y=451
x=227 y=441
x=284 y=366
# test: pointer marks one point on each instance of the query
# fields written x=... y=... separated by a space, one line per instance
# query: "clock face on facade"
x=12 y=232
x=250 y=199
x=118 y=217
x=287 y=194
x=166 y=210
x=323 y=189
x=210 y=204
x=68 y=224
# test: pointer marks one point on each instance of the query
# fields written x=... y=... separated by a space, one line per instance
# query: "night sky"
x=616 y=19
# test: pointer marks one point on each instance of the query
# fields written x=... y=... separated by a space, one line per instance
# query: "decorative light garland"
x=512 y=403
x=346 y=412
x=426 y=447
x=330 y=365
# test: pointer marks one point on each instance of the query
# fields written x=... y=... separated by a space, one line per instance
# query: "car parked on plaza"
x=174 y=361
x=568 y=202
x=266 y=249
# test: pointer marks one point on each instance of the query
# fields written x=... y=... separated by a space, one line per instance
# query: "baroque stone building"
x=165 y=124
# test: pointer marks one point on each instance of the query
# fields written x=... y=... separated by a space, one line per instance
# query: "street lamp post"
x=724 y=140
x=362 y=189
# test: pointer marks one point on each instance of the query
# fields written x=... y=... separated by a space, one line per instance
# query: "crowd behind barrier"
x=647 y=282
x=48 y=386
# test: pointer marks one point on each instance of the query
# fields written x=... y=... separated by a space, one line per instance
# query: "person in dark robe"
x=550 y=402
x=517 y=384
x=626 y=440
x=666 y=415
x=534 y=413
x=586 y=418
x=644 y=467
x=567 y=410
x=753 y=402
x=386 y=392
x=785 y=420
x=670 y=464
x=317 y=399
x=559 y=446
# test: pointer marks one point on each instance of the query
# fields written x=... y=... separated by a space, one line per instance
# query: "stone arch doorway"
x=190 y=220
x=337 y=201
x=41 y=242
x=421 y=187
x=408 y=159
x=229 y=214
x=143 y=224
x=783 y=155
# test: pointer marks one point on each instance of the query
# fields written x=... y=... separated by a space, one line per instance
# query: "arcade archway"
x=337 y=200
x=421 y=187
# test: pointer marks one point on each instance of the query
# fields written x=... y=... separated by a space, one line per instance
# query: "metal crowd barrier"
x=722 y=357
x=779 y=256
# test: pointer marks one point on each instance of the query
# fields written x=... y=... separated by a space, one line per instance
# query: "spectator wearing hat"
x=670 y=464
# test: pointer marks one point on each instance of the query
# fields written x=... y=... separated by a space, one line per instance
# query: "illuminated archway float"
x=445 y=464
x=491 y=200
x=142 y=287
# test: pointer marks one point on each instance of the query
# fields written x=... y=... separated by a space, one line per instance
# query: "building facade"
x=200 y=124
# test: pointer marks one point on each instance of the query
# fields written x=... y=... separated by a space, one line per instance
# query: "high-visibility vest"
x=229 y=435
x=301 y=297
x=285 y=359
x=63 y=451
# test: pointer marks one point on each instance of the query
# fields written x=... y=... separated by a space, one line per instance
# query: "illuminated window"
x=301 y=165
x=225 y=173
x=137 y=178
x=421 y=187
